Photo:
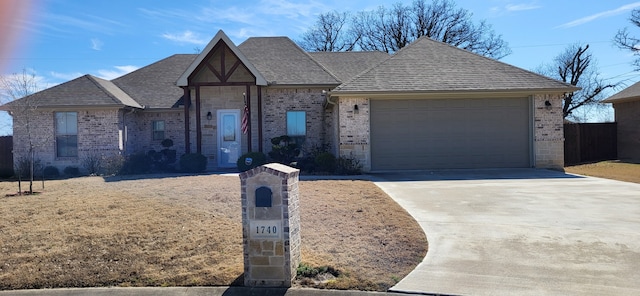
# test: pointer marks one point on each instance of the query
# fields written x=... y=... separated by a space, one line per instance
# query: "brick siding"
x=276 y=103
x=628 y=119
x=354 y=135
x=548 y=128
x=97 y=133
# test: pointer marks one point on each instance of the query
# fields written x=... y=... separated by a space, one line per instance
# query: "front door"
x=229 y=143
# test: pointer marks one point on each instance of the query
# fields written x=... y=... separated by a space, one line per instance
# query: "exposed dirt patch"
x=616 y=170
x=185 y=231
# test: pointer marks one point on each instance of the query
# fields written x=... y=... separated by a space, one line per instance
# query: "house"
x=626 y=105
x=428 y=106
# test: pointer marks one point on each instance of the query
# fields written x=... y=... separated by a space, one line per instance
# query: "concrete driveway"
x=521 y=232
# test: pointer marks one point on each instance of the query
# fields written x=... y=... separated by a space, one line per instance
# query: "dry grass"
x=184 y=231
x=616 y=170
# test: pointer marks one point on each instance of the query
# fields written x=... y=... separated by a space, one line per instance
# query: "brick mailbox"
x=270 y=225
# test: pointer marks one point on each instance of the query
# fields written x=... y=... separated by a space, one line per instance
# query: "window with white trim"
x=66 y=134
x=158 y=129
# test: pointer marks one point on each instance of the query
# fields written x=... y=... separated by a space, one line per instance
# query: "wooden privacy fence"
x=6 y=156
x=586 y=142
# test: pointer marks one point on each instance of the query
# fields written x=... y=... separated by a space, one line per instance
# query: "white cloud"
x=521 y=7
x=96 y=44
x=110 y=74
x=186 y=37
x=511 y=7
x=593 y=17
x=65 y=76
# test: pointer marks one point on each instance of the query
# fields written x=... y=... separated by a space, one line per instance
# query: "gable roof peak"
x=220 y=37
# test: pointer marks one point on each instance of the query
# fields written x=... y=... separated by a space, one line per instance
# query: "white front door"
x=229 y=138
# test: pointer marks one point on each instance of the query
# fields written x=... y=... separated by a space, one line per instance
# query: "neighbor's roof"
x=629 y=94
x=86 y=90
x=155 y=85
x=348 y=64
x=282 y=62
x=431 y=66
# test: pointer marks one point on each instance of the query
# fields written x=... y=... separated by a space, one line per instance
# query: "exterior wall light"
x=355 y=108
x=209 y=115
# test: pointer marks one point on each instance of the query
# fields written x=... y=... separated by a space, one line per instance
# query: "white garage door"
x=452 y=133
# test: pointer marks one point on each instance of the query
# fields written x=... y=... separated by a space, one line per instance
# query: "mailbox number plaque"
x=265 y=229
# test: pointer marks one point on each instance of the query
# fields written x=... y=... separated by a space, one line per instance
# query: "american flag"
x=245 y=119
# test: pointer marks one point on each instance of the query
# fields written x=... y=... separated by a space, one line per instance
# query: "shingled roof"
x=629 y=94
x=431 y=66
x=346 y=65
x=282 y=62
x=155 y=85
x=86 y=90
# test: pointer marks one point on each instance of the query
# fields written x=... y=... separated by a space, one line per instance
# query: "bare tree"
x=329 y=34
x=17 y=90
x=576 y=66
x=625 y=41
x=390 y=29
x=442 y=20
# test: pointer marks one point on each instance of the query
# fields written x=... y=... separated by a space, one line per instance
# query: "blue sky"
x=59 y=40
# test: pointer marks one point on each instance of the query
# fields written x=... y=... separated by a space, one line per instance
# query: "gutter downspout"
x=327 y=98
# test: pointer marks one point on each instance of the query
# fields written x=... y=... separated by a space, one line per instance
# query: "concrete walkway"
x=521 y=232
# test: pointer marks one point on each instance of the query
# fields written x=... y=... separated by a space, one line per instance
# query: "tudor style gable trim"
x=220 y=37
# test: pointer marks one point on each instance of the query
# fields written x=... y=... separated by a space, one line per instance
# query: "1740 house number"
x=265 y=228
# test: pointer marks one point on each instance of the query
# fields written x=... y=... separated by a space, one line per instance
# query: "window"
x=158 y=130
x=66 y=134
x=296 y=123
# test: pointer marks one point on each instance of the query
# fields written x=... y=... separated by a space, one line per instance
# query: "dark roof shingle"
x=431 y=66
x=629 y=94
x=86 y=90
x=155 y=85
x=348 y=64
x=282 y=62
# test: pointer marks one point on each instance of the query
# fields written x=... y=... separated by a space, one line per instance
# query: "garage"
x=417 y=134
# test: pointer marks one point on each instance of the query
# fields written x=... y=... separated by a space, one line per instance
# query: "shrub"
x=348 y=166
x=71 y=171
x=113 y=164
x=92 y=163
x=166 y=143
x=325 y=162
x=257 y=159
x=51 y=172
x=284 y=149
x=138 y=163
x=193 y=163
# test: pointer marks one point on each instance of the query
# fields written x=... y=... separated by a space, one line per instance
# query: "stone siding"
x=276 y=103
x=548 y=132
x=272 y=260
x=628 y=121
x=354 y=136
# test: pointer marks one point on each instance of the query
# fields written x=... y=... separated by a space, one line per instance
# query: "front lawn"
x=616 y=170
x=186 y=231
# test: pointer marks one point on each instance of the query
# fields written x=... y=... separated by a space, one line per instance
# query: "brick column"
x=270 y=225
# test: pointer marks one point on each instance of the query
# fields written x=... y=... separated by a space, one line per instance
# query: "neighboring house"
x=626 y=105
x=428 y=106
